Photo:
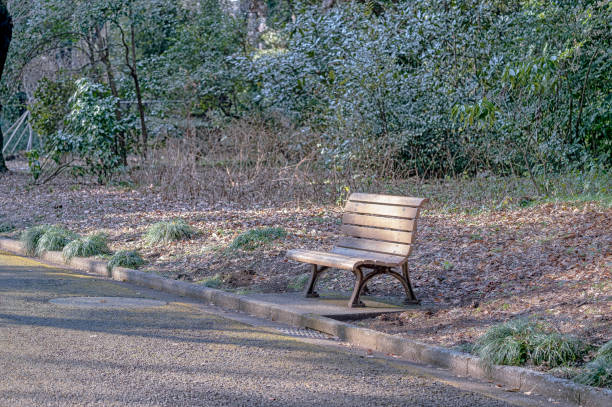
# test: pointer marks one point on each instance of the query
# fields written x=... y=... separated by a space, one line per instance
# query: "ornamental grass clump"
x=126 y=258
x=598 y=372
x=39 y=239
x=605 y=351
x=168 y=231
x=6 y=227
x=554 y=349
x=506 y=344
x=520 y=341
x=254 y=238
x=215 y=281
x=87 y=246
x=31 y=236
x=55 y=238
x=298 y=282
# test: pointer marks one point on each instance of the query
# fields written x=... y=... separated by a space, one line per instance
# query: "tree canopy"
x=423 y=87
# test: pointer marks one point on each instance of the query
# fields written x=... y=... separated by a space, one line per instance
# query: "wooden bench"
x=379 y=233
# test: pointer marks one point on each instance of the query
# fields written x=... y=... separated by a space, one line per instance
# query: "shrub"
x=520 y=341
x=254 y=238
x=86 y=246
x=168 y=231
x=126 y=258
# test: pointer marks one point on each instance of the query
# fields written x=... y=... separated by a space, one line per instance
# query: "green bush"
x=520 y=341
x=54 y=238
x=90 y=131
x=395 y=76
x=254 y=238
x=126 y=258
x=168 y=231
x=50 y=105
x=86 y=246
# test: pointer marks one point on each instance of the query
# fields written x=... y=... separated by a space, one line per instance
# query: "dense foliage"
x=452 y=86
x=392 y=88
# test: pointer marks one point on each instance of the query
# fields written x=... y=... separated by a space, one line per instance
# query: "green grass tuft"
x=6 y=227
x=254 y=238
x=126 y=258
x=55 y=238
x=87 y=246
x=215 y=281
x=31 y=236
x=596 y=373
x=168 y=231
x=39 y=239
x=556 y=350
x=298 y=283
x=506 y=344
x=605 y=351
x=520 y=341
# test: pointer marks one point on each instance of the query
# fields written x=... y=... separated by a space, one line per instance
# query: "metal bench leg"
x=410 y=297
x=310 y=292
x=355 y=302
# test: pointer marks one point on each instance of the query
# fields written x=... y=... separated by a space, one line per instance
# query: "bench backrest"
x=384 y=226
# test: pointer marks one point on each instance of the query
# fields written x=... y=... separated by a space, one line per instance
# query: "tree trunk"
x=130 y=63
x=6 y=34
x=141 y=112
x=104 y=51
x=256 y=21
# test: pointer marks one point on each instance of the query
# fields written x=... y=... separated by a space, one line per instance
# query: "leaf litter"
x=551 y=260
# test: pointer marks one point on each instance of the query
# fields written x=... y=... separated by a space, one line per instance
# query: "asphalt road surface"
x=173 y=354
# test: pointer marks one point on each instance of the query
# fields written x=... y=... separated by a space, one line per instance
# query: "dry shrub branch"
x=247 y=163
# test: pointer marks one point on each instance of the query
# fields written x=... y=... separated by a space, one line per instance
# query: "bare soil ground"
x=471 y=269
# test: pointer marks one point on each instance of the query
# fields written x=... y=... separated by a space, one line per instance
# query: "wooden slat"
x=384 y=210
x=378 y=234
x=370 y=257
x=323 y=259
x=378 y=221
x=387 y=199
x=374 y=246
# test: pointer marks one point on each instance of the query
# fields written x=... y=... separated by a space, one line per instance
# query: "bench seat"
x=344 y=259
x=379 y=232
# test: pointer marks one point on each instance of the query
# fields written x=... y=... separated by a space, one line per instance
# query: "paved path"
x=176 y=355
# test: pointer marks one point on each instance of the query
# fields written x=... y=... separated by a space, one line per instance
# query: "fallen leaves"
x=469 y=270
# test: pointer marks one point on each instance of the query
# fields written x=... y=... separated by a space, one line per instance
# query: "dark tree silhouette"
x=6 y=33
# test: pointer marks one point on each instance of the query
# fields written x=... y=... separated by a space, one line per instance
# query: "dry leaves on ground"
x=553 y=261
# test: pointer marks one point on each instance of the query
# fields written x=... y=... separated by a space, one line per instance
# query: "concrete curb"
x=88 y=265
x=516 y=378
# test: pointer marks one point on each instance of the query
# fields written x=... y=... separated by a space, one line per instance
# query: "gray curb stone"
x=517 y=378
